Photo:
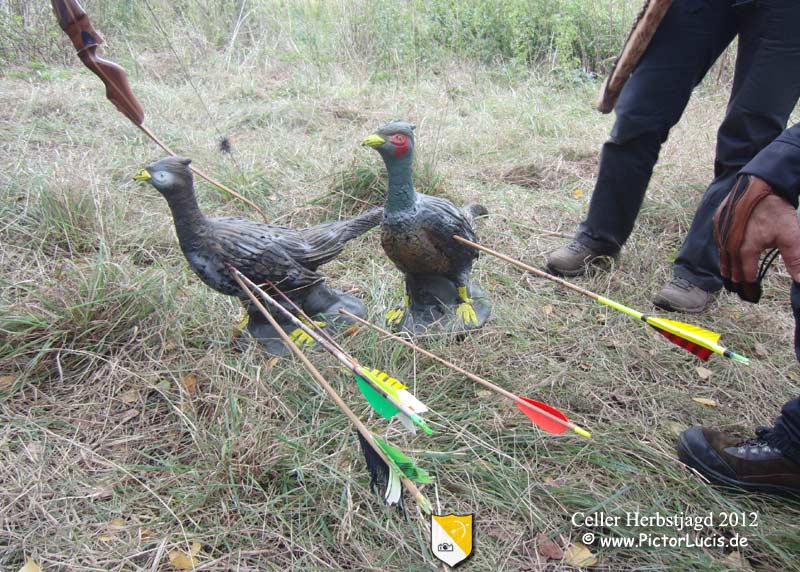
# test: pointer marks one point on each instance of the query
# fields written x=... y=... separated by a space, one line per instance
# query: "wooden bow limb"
x=76 y=24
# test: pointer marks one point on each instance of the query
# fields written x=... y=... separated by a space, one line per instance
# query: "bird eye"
x=398 y=138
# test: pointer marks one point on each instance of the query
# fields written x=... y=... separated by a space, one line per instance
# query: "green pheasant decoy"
x=287 y=257
x=417 y=235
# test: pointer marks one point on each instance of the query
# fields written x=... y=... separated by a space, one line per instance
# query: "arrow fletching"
x=696 y=340
x=543 y=416
x=397 y=390
x=387 y=476
x=544 y=423
x=386 y=409
x=404 y=463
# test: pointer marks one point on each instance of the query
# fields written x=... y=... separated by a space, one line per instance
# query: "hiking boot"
x=754 y=464
x=572 y=259
x=680 y=295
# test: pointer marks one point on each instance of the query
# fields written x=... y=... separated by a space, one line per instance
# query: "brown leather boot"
x=753 y=464
x=572 y=259
x=680 y=295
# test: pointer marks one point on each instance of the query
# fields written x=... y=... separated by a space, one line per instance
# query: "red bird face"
x=400 y=142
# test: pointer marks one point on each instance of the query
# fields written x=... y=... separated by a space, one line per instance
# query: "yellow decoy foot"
x=301 y=339
x=466 y=313
x=240 y=327
x=395 y=316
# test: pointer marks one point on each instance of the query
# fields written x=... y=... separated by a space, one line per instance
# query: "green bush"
x=563 y=34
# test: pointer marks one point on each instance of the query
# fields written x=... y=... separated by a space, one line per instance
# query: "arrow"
x=387 y=396
x=544 y=416
x=699 y=341
x=387 y=464
x=76 y=24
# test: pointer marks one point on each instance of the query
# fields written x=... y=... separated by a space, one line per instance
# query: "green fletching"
x=404 y=462
x=383 y=406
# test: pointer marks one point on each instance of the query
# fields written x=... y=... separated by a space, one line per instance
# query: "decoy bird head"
x=170 y=176
x=394 y=140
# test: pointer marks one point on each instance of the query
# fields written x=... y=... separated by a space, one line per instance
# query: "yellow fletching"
x=695 y=331
x=384 y=377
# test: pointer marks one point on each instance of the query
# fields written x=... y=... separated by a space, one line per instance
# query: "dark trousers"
x=765 y=89
x=786 y=433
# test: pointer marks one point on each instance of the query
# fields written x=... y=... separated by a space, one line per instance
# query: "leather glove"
x=750 y=220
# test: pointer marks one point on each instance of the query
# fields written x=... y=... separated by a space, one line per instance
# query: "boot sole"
x=567 y=273
x=603 y=263
x=686 y=456
x=665 y=304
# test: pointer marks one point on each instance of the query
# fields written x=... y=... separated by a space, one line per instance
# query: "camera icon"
x=444 y=547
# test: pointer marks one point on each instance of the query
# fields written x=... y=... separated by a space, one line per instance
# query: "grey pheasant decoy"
x=417 y=235
x=289 y=258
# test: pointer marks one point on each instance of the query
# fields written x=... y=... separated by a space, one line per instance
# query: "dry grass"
x=102 y=323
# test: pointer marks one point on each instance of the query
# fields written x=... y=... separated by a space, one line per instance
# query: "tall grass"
x=566 y=34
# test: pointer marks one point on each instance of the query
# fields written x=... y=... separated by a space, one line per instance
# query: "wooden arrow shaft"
x=337 y=399
x=477 y=379
x=528 y=268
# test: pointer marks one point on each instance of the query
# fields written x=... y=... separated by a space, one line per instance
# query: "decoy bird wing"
x=443 y=219
x=259 y=252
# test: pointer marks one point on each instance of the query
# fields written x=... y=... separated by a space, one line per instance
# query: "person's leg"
x=786 y=433
x=766 y=89
x=689 y=40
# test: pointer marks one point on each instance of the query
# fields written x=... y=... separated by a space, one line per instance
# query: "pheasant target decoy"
x=287 y=257
x=417 y=235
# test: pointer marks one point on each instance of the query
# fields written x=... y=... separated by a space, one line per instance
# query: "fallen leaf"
x=183 y=560
x=7 y=382
x=759 y=350
x=351 y=331
x=703 y=372
x=116 y=524
x=129 y=397
x=483 y=393
x=547 y=548
x=189 y=383
x=578 y=555
x=548 y=309
x=585 y=366
x=273 y=362
x=30 y=566
x=705 y=401
x=577 y=193
x=126 y=416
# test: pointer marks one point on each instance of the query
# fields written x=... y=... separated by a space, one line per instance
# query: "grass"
x=110 y=457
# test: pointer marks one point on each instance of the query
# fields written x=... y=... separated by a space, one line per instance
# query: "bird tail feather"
x=474 y=210
x=327 y=240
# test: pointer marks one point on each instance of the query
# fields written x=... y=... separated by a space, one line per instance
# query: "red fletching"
x=543 y=422
x=699 y=351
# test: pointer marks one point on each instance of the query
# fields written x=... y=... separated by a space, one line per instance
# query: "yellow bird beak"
x=373 y=141
x=142 y=175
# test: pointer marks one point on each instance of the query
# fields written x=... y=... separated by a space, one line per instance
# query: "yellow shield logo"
x=451 y=537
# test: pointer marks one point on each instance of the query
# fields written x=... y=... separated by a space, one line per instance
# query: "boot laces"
x=682 y=283
x=761 y=441
x=577 y=248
